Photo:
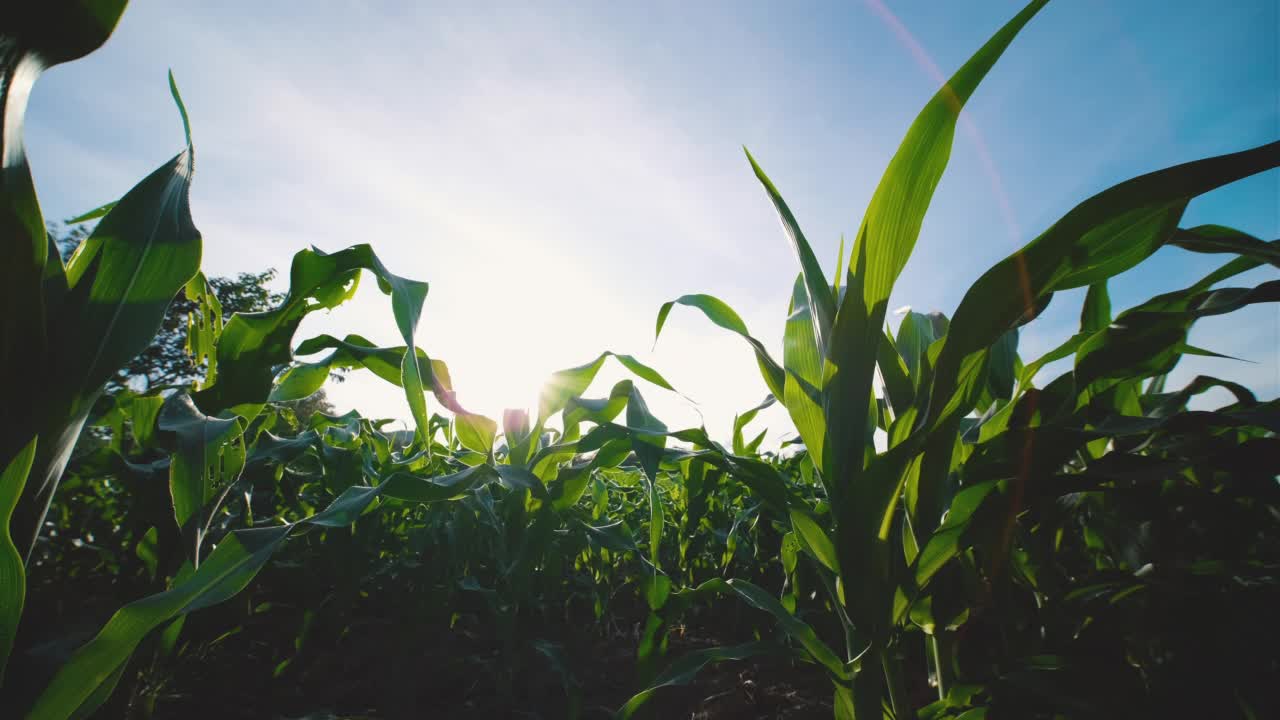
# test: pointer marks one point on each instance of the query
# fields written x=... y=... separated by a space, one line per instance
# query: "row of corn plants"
x=968 y=434
x=1009 y=544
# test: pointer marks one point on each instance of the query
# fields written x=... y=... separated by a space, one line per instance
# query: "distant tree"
x=305 y=407
x=166 y=361
x=67 y=238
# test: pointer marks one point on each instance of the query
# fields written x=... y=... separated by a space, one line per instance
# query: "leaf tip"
x=182 y=108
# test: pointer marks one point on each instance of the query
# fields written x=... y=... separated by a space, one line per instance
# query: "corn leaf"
x=1096 y=313
x=884 y=243
x=111 y=301
x=817 y=295
x=413 y=488
x=648 y=436
x=1220 y=239
x=253 y=344
x=209 y=455
x=758 y=598
x=814 y=540
x=898 y=389
x=721 y=314
x=35 y=35
x=741 y=420
x=13 y=576
x=226 y=571
x=802 y=360
x=1092 y=242
x=684 y=670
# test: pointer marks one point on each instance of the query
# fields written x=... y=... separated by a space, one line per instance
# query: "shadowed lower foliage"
x=950 y=535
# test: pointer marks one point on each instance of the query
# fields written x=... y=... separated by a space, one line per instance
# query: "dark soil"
x=381 y=664
x=454 y=676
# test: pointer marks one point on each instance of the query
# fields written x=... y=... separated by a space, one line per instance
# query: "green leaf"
x=684 y=670
x=817 y=293
x=353 y=351
x=281 y=450
x=843 y=703
x=897 y=209
x=765 y=482
x=802 y=360
x=789 y=552
x=388 y=363
x=203 y=328
x=1148 y=340
x=1066 y=349
x=1229 y=270
x=1220 y=239
x=13 y=576
x=104 y=208
x=598 y=411
x=518 y=478
x=741 y=420
x=945 y=542
x=569 y=486
x=656 y=522
x=756 y=597
x=226 y=571
x=814 y=540
x=347 y=507
x=898 y=386
x=650 y=441
x=1167 y=404
x=253 y=344
x=566 y=385
x=32 y=281
x=656 y=590
x=917 y=333
x=110 y=303
x=885 y=241
x=144 y=414
x=182 y=108
x=615 y=536
x=835 y=279
x=571 y=383
x=123 y=277
x=476 y=432
x=1099 y=238
x=208 y=456
x=412 y=488
x=147 y=550
x=721 y=314
x=86 y=680
x=1002 y=368
x=103 y=691
x=1096 y=313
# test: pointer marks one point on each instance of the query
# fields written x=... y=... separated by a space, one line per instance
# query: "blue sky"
x=556 y=171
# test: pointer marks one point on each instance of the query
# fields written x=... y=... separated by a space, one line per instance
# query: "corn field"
x=950 y=535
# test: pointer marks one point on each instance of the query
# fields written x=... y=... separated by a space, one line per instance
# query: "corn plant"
x=209 y=453
x=884 y=537
x=66 y=329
